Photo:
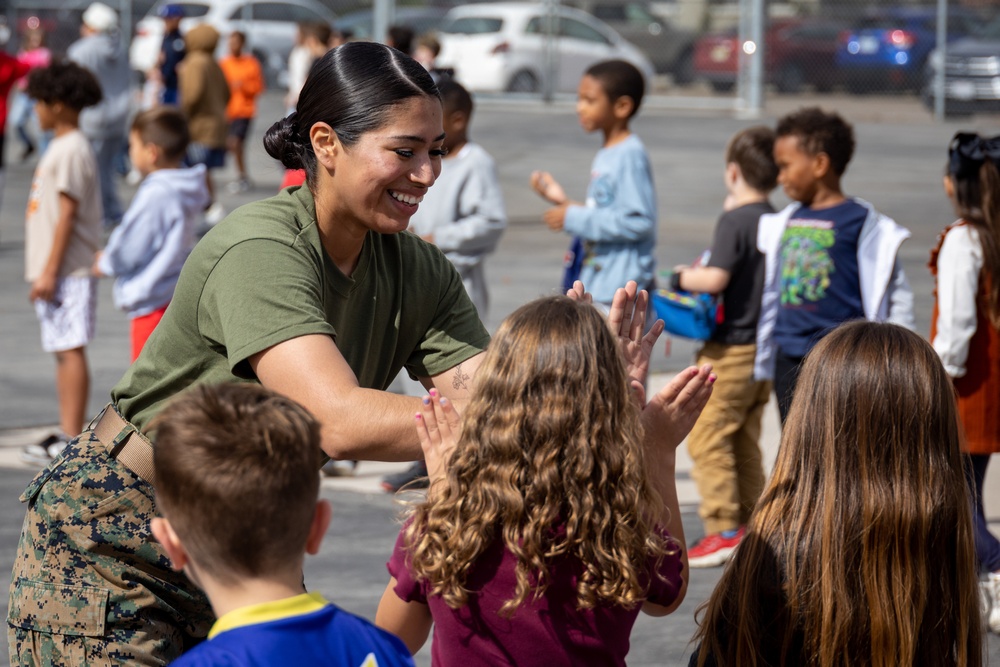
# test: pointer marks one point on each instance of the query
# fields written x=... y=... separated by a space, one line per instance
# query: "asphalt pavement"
x=898 y=166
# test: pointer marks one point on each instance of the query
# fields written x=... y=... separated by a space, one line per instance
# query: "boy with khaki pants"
x=724 y=443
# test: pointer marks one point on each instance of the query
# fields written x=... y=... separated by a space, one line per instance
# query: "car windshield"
x=988 y=30
x=472 y=25
x=631 y=12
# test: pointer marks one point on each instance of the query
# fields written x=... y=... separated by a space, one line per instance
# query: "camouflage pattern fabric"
x=90 y=584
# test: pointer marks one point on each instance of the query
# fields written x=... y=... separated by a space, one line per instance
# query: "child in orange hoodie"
x=246 y=82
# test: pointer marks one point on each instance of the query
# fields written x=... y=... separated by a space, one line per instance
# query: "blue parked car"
x=888 y=49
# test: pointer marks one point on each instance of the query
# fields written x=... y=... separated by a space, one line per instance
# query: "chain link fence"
x=696 y=51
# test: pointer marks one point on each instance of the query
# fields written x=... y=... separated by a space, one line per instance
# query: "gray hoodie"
x=146 y=251
x=104 y=55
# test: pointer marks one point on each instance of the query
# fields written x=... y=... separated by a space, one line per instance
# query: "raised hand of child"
x=672 y=412
x=578 y=293
x=627 y=319
x=546 y=186
x=555 y=217
x=438 y=426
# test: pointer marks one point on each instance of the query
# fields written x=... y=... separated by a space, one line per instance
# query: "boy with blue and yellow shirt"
x=236 y=480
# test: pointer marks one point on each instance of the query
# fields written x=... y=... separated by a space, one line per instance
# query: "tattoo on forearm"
x=460 y=380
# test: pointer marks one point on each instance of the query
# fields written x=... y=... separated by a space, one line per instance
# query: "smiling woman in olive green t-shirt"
x=316 y=293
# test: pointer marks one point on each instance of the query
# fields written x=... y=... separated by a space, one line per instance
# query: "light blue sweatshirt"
x=618 y=222
x=146 y=251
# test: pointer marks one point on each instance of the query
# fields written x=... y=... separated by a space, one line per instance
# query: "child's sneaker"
x=44 y=452
x=715 y=549
x=414 y=477
x=240 y=186
x=214 y=214
x=334 y=468
x=992 y=586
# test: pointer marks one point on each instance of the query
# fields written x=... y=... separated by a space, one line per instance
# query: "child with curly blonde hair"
x=552 y=518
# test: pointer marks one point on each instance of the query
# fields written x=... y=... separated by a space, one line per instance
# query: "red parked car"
x=799 y=53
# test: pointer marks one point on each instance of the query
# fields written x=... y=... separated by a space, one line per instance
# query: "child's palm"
x=627 y=318
x=546 y=186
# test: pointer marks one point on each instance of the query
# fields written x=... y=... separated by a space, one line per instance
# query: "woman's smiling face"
x=378 y=183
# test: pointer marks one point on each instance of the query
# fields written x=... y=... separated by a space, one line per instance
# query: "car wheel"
x=523 y=82
x=722 y=86
x=790 y=78
x=683 y=69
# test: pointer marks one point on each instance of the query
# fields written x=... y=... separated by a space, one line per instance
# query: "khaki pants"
x=90 y=585
x=724 y=443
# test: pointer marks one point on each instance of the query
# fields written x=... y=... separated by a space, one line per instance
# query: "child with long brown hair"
x=860 y=550
x=553 y=518
x=965 y=329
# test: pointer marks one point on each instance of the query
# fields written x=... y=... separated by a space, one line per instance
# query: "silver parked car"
x=502 y=46
x=972 y=73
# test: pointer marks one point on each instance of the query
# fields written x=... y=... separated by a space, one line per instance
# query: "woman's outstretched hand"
x=671 y=412
x=438 y=427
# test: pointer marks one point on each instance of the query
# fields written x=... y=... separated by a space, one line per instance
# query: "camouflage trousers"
x=90 y=584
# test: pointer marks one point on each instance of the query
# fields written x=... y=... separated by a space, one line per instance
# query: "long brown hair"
x=972 y=166
x=551 y=438
x=860 y=550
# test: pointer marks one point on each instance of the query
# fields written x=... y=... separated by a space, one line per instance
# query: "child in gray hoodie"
x=146 y=251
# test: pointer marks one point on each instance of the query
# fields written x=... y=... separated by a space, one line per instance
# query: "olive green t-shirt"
x=261 y=277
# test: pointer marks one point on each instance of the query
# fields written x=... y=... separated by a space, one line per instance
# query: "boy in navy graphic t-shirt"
x=830 y=258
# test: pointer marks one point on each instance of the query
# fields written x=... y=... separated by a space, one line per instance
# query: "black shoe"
x=28 y=151
x=334 y=468
x=44 y=452
x=414 y=477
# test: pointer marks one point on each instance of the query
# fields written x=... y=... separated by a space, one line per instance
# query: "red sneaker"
x=714 y=550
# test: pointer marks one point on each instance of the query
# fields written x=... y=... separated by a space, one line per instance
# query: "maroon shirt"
x=549 y=632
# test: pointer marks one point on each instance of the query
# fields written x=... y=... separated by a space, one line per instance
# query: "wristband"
x=675 y=281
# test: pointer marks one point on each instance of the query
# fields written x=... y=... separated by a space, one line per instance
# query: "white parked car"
x=270 y=28
x=502 y=46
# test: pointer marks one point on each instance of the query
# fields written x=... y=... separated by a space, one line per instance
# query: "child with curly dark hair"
x=552 y=519
x=829 y=258
x=62 y=236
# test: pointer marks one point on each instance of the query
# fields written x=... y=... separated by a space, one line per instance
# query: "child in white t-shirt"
x=62 y=235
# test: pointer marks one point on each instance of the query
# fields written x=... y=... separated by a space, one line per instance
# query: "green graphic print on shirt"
x=806 y=265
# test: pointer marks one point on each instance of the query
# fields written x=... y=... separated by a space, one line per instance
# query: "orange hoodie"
x=245 y=83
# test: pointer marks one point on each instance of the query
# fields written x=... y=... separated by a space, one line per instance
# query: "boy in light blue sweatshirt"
x=146 y=251
x=615 y=230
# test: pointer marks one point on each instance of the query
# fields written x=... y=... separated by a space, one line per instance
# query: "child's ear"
x=326 y=145
x=623 y=107
x=165 y=535
x=733 y=174
x=821 y=164
x=459 y=120
x=320 y=522
x=949 y=187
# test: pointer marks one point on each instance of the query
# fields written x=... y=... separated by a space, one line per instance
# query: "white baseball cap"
x=100 y=17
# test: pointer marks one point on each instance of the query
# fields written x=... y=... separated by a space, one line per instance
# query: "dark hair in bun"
x=353 y=88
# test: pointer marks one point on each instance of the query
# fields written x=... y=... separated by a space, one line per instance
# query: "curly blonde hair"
x=551 y=461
